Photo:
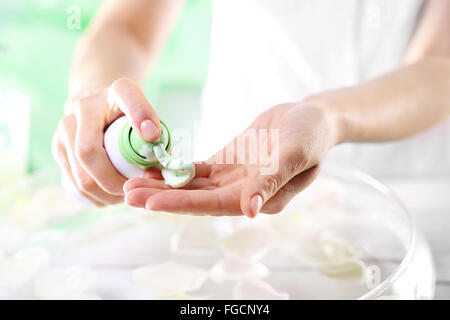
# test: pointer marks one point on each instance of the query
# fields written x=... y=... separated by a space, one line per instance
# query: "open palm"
x=304 y=136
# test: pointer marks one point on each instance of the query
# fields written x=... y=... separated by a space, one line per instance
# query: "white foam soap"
x=131 y=155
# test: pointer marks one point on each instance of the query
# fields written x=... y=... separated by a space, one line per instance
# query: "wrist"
x=89 y=82
x=334 y=111
x=337 y=110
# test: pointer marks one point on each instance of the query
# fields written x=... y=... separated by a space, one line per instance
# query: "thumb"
x=130 y=98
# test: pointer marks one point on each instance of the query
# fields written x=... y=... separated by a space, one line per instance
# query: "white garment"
x=267 y=52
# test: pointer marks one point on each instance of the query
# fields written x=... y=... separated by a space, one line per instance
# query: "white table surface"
x=428 y=201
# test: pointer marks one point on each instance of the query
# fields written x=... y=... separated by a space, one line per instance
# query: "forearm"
x=124 y=38
x=397 y=105
x=103 y=57
x=410 y=99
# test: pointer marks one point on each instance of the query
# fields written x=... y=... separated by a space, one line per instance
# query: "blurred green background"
x=35 y=57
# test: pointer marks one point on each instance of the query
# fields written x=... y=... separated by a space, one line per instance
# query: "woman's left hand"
x=299 y=135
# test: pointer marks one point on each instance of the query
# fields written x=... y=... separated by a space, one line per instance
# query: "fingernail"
x=256 y=203
x=149 y=130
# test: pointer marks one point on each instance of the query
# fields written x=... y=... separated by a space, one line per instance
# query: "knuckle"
x=87 y=185
x=86 y=152
x=111 y=189
x=67 y=123
x=271 y=185
x=119 y=83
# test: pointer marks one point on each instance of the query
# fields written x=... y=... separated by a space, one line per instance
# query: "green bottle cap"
x=139 y=152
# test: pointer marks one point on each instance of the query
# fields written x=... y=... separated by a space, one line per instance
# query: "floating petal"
x=19 y=269
x=236 y=268
x=348 y=270
x=257 y=290
x=249 y=242
x=64 y=283
x=170 y=279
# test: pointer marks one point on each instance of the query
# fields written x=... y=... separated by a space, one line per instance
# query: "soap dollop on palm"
x=175 y=171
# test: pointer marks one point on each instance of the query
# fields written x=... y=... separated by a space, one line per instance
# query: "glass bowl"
x=345 y=237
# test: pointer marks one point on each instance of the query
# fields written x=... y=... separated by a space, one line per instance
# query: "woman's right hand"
x=78 y=141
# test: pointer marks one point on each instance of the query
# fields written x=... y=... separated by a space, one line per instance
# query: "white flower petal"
x=348 y=270
x=20 y=268
x=236 y=268
x=257 y=290
x=328 y=249
x=195 y=239
x=12 y=235
x=170 y=279
x=249 y=242
x=64 y=283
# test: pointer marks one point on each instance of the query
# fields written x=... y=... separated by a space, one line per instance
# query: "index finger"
x=91 y=154
x=130 y=98
x=218 y=202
